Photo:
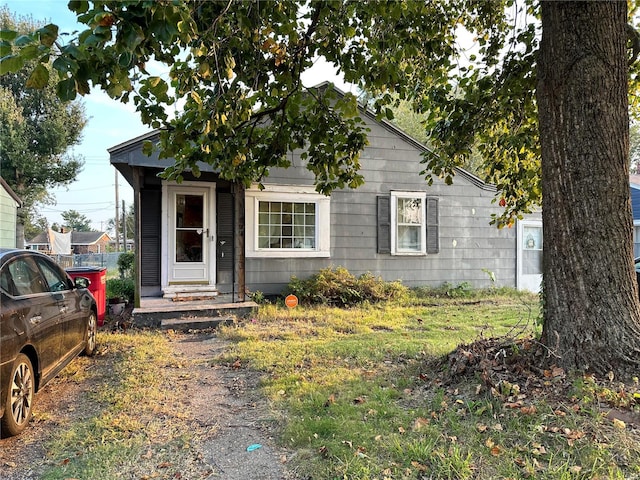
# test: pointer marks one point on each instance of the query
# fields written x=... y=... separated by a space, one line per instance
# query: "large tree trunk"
x=592 y=312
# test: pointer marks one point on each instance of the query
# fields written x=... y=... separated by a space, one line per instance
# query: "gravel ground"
x=228 y=400
x=221 y=406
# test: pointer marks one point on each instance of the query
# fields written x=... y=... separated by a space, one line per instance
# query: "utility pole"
x=124 y=227
x=117 y=216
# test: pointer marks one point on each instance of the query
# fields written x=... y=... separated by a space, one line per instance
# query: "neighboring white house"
x=9 y=204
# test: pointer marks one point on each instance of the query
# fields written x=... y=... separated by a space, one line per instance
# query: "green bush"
x=447 y=289
x=126 y=263
x=337 y=287
x=122 y=288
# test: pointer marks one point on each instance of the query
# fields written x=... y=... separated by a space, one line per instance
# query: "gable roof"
x=128 y=153
x=77 y=238
x=87 y=238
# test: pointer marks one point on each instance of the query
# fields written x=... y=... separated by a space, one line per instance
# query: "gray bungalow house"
x=207 y=236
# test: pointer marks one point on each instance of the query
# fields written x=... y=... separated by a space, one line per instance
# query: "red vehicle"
x=46 y=320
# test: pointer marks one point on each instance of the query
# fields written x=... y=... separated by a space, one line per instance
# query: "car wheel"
x=92 y=328
x=19 y=404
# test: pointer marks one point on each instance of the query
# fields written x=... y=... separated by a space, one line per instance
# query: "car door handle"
x=63 y=309
x=35 y=320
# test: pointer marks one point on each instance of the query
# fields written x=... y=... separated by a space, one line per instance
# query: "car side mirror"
x=82 y=282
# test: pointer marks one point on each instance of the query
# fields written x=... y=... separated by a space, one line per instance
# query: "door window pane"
x=532 y=250
x=532 y=238
x=188 y=246
x=189 y=211
x=190 y=233
x=56 y=281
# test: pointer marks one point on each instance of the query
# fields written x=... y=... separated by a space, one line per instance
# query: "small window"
x=413 y=224
x=410 y=221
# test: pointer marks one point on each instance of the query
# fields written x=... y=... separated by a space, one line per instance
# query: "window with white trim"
x=287 y=221
x=414 y=223
x=286 y=225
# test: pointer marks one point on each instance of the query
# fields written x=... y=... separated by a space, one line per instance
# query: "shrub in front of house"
x=336 y=286
x=126 y=263
x=120 y=289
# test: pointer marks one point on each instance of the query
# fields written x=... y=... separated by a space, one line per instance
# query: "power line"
x=88 y=188
x=54 y=210
x=109 y=203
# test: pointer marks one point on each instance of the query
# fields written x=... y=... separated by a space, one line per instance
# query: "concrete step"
x=154 y=313
x=194 y=323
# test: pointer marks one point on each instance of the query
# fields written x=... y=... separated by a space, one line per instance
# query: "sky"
x=110 y=123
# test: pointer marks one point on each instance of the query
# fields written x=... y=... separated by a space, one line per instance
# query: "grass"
x=132 y=415
x=362 y=400
x=363 y=396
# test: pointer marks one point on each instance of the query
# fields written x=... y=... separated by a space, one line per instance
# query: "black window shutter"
x=433 y=234
x=384 y=224
x=224 y=219
x=150 y=201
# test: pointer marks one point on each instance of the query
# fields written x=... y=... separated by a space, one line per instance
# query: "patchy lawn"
x=439 y=387
x=382 y=392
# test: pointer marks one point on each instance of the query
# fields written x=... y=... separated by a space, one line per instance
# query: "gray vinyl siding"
x=8 y=219
x=468 y=244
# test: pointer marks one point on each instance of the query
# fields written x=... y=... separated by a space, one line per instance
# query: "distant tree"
x=35 y=225
x=36 y=129
x=130 y=223
x=74 y=220
x=413 y=123
x=407 y=119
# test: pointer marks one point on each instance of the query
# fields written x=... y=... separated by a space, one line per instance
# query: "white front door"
x=190 y=240
x=530 y=255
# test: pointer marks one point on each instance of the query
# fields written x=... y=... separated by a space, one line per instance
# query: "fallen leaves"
x=419 y=423
x=619 y=424
x=494 y=449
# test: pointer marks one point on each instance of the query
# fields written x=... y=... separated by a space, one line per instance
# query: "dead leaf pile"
x=520 y=371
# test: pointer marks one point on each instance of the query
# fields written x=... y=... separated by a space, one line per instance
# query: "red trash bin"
x=98 y=286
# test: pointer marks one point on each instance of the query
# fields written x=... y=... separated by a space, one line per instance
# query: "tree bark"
x=590 y=292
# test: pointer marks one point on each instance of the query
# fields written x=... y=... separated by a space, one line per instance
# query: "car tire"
x=90 y=335
x=20 y=397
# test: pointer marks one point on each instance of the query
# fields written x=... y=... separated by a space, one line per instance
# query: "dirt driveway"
x=232 y=425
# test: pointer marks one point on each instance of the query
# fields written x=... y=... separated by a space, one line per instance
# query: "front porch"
x=158 y=312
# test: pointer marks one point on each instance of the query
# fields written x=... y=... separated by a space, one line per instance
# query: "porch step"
x=182 y=293
x=194 y=323
x=152 y=313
